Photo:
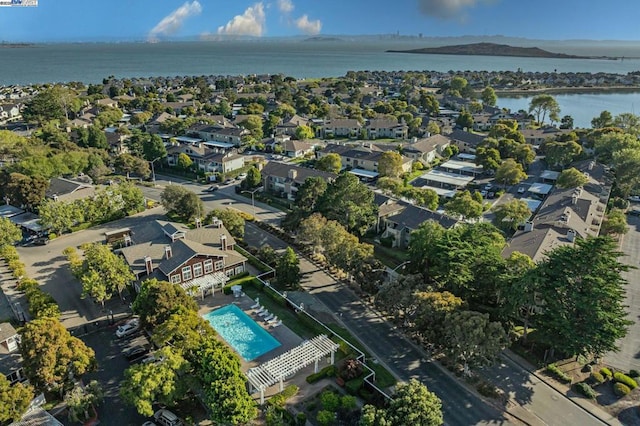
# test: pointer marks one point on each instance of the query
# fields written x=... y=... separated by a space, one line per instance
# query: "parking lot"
x=111 y=366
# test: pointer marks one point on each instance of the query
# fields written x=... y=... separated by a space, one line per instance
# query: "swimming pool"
x=241 y=332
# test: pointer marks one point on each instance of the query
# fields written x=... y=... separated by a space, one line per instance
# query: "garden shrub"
x=9 y=253
x=325 y=418
x=606 y=373
x=330 y=401
x=634 y=374
x=280 y=399
x=487 y=390
x=352 y=386
x=585 y=390
x=328 y=371
x=621 y=389
x=348 y=402
x=623 y=378
x=27 y=284
x=301 y=419
x=597 y=378
x=558 y=374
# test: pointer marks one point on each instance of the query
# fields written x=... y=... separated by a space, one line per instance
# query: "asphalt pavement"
x=628 y=357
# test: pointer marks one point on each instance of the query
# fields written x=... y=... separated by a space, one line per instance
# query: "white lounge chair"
x=273 y=320
x=255 y=305
x=277 y=324
x=268 y=317
x=264 y=313
x=260 y=310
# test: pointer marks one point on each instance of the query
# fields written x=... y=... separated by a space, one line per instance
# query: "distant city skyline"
x=81 y=20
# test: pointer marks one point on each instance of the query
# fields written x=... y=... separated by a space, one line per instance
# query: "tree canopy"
x=232 y=220
x=544 y=105
x=157 y=300
x=14 y=400
x=510 y=215
x=390 y=164
x=52 y=358
x=182 y=203
x=510 y=172
x=330 y=163
x=9 y=232
x=571 y=178
x=288 y=269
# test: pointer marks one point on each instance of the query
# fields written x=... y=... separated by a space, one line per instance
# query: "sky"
x=92 y=20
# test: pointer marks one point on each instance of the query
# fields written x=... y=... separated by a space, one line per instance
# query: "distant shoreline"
x=15 y=45
x=566 y=90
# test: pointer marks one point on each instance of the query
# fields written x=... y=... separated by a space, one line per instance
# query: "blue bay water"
x=582 y=107
x=91 y=62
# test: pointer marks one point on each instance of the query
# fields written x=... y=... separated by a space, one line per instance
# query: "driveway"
x=629 y=355
x=111 y=365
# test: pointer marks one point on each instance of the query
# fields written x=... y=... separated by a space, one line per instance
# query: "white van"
x=165 y=417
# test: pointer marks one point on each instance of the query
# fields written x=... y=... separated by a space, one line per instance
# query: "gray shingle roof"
x=302 y=173
x=412 y=216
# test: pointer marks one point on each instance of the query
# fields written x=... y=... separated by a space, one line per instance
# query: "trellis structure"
x=206 y=282
x=279 y=368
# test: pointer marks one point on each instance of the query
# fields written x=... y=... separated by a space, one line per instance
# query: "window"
x=229 y=273
x=208 y=266
x=239 y=269
x=186 y=273
x=219 y=265
x=197 y=270
x=175 y=279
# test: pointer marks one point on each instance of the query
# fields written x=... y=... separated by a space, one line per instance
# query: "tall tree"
x=390 y=164
x=9 y=232
x=288 y=269
x=510 y=172
x=472 y=339
x=232 y=220
x=304 y=132
x=52 y=358
x=253 y=179
x=626 y=164
x=412 y=404
x=465 y=205
x=181 y=202
x=158 y=300
x=559 y=154
x=511 y=214
x=615 y=223
x=104 y=273
x=184 y=161
x=488 y=96
x=571 y=178
x=14 y=400
x=164 y=382
x=605 y=119
x=542 y=106
x=488 y=156
x=422 y=245
x=350 y=202
x=330 y=163
x=224 y=385
x=153 y=148
x=581 y=295
x=47 y=105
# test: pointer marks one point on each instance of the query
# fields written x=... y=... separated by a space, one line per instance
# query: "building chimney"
x=574 y=199
x=293 y=174
x=223 y=242
x=571 y=235
x=528 y=226
x=148 y=263
x=198 y=223
x=167 y=252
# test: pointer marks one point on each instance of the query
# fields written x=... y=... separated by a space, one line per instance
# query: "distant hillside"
x=491 y=49
x=319 y=38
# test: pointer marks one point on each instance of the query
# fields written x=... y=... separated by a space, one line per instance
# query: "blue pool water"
x=241 y=332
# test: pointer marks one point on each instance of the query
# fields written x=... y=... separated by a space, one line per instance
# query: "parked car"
x=135 y=352
x=634 y=198
x=491 y=195
x=634 y=211
x=522 y=190
x=212 y=188
x=128 y=328
x=242 y=176
x=228 y=181
x=151 y=359
x=488 y=186
x=149 y=423
x=165 y=417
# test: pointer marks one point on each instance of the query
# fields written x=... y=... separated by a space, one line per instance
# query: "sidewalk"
x=15 y=299
x=579 y=401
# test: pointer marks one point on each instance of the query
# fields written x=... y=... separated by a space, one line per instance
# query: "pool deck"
x=287 y=338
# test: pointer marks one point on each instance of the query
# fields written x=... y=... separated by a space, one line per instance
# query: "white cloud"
x=448 y=8
x=285 y=6
x=250 y=23
x=308 y=27
x=172 y=23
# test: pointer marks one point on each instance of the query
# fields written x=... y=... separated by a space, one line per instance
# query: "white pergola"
x=279 y=368
x=206 y=282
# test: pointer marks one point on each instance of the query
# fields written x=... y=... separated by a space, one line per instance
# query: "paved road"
x=460 y=407
x=532 y=401
x=629 y=355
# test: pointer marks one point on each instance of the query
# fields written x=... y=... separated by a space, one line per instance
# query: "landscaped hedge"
x=597 y=378
x=623 y=378
x=280 y=399
x=329 y=371
x=585 y=390
x=558 y=374
x=621 y=389
x=606 y=373
x=352 y=386
x=634 y=374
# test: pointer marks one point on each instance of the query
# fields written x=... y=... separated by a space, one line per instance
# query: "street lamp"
x=253 y=203
x=153 y=170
